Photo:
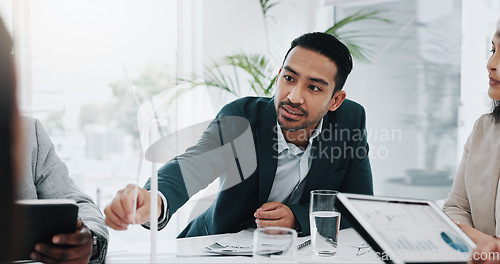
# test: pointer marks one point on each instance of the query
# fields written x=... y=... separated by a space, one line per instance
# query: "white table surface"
x=192 y=250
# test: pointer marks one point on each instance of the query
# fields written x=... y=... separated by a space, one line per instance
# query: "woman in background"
x=474 y=200
x=8 y=145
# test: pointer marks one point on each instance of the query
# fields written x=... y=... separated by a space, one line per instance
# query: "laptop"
x=405 y=230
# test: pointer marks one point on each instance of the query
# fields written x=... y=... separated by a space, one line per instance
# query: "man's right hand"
x=120 y=213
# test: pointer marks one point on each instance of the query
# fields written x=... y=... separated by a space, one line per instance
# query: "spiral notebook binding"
x=303 y=244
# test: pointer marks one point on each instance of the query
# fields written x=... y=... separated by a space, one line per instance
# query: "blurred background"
x=85 y=67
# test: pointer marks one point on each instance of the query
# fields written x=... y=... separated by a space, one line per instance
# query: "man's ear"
x=337 y=100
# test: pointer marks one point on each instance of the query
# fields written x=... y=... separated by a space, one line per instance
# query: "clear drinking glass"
x=324 y=222
x=278 y=243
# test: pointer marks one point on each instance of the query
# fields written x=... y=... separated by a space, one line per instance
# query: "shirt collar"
x=283 y=145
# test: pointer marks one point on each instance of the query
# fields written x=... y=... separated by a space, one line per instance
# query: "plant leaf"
x=347 y=37
x=224 y=74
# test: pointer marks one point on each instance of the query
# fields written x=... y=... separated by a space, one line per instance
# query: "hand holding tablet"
x=43 y=219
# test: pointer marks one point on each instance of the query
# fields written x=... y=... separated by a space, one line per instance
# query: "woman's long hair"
x=9 y=122
x=496 y=111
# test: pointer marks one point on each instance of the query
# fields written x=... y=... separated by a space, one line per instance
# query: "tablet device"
x=405 y=230
x=42 y=219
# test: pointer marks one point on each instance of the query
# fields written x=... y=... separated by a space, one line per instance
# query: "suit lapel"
x=267 y=151
x=321 y=158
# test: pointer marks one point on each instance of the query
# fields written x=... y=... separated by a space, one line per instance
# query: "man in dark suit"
x=306 y=137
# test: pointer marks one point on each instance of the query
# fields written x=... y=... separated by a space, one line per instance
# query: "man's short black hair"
x=331 y=47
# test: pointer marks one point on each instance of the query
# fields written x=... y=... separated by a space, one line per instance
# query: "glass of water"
x=278 y=243
x=324 y=222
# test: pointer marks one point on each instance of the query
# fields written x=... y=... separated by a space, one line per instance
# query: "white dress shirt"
x=293 y=165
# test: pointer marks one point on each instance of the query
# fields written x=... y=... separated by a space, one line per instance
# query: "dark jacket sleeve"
x=50 y=175
x=301 y=213
x=186 y=174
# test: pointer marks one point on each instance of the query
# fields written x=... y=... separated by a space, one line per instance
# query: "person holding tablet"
x=46 y=176
x=474 y=200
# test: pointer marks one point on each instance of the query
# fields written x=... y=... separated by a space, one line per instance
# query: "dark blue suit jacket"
x=340 y=162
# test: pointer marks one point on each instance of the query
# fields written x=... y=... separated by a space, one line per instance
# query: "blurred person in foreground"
x=306 y=137
x=474 y=200
x=9 y=149
x=31 y=170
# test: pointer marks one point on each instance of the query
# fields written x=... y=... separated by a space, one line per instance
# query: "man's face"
x=304 y=89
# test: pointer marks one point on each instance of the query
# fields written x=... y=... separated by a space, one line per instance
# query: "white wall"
x=231 y=26
x=478 y=25
x=212 y=29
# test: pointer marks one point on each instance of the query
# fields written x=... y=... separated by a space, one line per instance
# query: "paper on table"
x=235 y=244
x=241 y=243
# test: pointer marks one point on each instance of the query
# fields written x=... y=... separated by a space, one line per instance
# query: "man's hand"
x=487 y=251
x=275 y=214
x=67 y=248
x=120 y=213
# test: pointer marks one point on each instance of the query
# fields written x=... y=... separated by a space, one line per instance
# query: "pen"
x=132 y=91
x=135 y=204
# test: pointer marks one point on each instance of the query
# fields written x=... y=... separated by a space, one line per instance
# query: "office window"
x=411 y=92
x=88 y=65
